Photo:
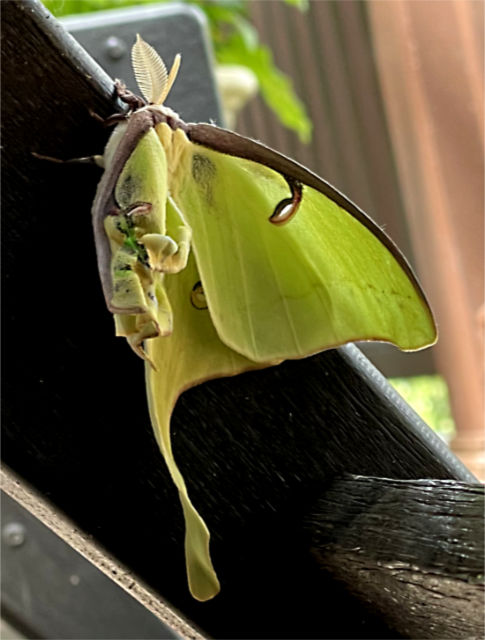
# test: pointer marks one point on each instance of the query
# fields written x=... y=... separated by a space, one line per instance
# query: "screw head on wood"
x=14 y=534
x=115 y=47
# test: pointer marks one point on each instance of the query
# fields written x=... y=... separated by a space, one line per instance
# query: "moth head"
x=151 y=73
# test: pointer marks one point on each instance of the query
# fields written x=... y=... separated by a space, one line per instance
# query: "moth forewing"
x=129 y=215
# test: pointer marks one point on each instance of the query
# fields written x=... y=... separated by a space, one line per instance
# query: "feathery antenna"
x=151 y=73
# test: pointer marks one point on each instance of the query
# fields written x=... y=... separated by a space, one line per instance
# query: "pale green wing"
x=154 y=281
x=276 y=292
x=191 y=354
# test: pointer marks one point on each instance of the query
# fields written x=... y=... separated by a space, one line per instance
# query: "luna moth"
x=218 y=255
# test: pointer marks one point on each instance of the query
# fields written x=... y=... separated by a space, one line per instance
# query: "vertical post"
x=430 y=57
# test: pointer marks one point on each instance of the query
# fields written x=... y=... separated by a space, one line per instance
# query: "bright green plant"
x=428 y=395
x=235 y=41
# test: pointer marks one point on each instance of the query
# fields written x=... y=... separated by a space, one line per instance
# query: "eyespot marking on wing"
x=286 y=209
x=128 y=189
x=204 y=173
x=197 y=296
x=203 y=169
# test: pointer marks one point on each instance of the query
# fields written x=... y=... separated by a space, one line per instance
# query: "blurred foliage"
x=428 y=396
x=236 y=41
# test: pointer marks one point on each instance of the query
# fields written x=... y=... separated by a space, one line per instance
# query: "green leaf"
x=299 y=4
x=247 y=32
x=428 y=395
x=61 y=8
x=276 y=87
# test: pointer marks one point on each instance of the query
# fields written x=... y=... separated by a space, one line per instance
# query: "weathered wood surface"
x=255 y=449
x=412 y=549
x=54 y=578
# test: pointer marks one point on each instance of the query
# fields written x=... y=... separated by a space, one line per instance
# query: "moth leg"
x=133 y=101
x=110 y=121
x=96 y=116
x=137 y=209
x=96 y=159
x=169 y=253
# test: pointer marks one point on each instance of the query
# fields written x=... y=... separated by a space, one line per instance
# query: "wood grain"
x=413 y=549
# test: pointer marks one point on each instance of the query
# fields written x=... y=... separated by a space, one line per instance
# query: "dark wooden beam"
x=412 y=549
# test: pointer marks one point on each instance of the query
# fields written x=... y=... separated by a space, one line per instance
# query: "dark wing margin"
x=233 y=144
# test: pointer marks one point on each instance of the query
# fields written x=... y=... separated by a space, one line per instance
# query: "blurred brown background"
x=395 y=93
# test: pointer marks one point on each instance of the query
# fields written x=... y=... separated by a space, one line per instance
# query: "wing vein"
x=240 y=252
x=277 y=279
